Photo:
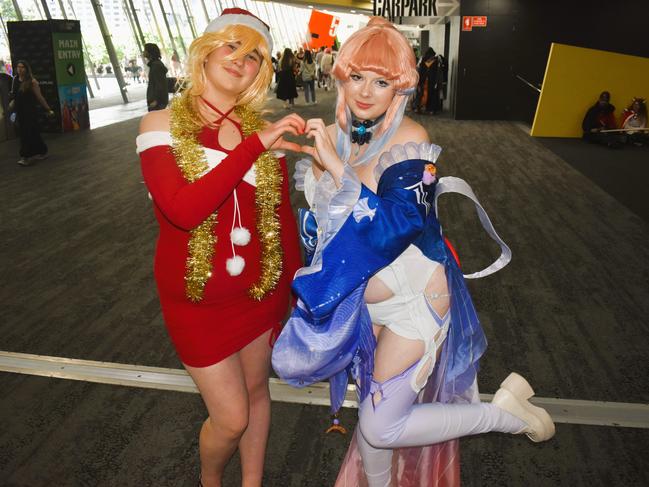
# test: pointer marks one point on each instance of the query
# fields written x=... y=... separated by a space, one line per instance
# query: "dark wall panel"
x=517 y=41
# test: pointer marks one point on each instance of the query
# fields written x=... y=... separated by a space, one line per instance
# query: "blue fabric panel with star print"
x=380 y=228
x=329 y=333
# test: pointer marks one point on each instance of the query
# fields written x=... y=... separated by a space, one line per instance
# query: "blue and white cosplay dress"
x=350 y=234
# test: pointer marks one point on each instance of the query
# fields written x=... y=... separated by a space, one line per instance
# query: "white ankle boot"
x=517 y=385
x=513 y=397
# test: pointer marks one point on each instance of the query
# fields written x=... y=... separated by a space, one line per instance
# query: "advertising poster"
x=53 y=49
x=74 y=107
x=68 y=62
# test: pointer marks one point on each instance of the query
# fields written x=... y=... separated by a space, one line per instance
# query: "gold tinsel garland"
x=191 y=162
x=268 y=196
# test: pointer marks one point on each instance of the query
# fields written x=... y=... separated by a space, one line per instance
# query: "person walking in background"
x=176 y=65
x=286 y=89
x=297 y=68
x=318 y=59
x=25 y=96
x=157 y=94
x=307 y=74
x=326 y=65
x=275 y=62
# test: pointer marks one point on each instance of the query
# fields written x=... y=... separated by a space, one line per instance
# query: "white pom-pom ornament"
x=234 y=265
x=240 y=236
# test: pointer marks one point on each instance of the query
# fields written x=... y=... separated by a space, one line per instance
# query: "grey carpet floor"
x=78 y=235
x=623 y=173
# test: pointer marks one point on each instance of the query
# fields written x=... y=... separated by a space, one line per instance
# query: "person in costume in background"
x=634 y=119
x=427 y=95
x=383 y=297
x=599 y=118
x=228 y=244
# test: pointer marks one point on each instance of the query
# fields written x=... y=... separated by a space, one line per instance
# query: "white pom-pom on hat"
x=240 y=236
x=234 y=265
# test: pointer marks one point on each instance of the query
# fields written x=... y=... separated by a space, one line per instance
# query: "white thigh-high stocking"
x=377 y=462
x=388 y=418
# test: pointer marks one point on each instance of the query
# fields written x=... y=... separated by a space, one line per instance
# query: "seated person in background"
x=634 y=117
x=601 y=117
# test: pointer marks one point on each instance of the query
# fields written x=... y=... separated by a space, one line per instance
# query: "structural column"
x=48 y=16
x=131 y=24
x=190 y=18
x=180 y=32
x=157 y=26
x=19 y=14
x=136 y=20
x=166 y=21
x=109 y=47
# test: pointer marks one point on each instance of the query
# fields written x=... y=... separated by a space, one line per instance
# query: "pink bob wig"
x=381 y=48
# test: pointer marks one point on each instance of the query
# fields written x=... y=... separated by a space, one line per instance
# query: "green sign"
x=68 y=58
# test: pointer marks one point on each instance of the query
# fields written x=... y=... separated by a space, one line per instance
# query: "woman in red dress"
x=228 y=247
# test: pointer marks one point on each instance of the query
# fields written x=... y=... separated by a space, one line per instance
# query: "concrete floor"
x=78 y=232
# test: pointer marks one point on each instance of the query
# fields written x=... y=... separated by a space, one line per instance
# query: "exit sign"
x=480 y=21
x=471 y=21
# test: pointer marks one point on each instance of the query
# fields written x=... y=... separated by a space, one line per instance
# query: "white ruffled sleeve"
x=332 y=205
x=399 y=153
x=305 y=180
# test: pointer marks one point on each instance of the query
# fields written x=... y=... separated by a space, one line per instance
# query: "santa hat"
x=239 y=16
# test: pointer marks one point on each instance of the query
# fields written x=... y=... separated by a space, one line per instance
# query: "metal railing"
x=535 y=88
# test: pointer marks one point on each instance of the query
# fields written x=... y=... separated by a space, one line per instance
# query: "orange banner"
x=322 y=29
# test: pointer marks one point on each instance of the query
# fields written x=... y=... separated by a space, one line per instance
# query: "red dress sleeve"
x=187 y=205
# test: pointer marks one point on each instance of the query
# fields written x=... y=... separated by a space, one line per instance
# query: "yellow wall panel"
x=574 y=78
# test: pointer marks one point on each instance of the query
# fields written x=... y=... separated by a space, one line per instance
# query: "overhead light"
x=352 y=11
x=310 y=6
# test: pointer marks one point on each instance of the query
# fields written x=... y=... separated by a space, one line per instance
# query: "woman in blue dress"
x=383 y=297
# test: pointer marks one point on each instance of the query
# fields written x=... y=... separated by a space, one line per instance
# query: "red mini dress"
x=227 y=318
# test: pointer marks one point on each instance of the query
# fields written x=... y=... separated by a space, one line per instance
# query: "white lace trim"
x=305 y=180
x=332 y=207
x=399 y=153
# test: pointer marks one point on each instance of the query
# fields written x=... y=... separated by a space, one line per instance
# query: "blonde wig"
x=381 y=48
x=201 y=48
